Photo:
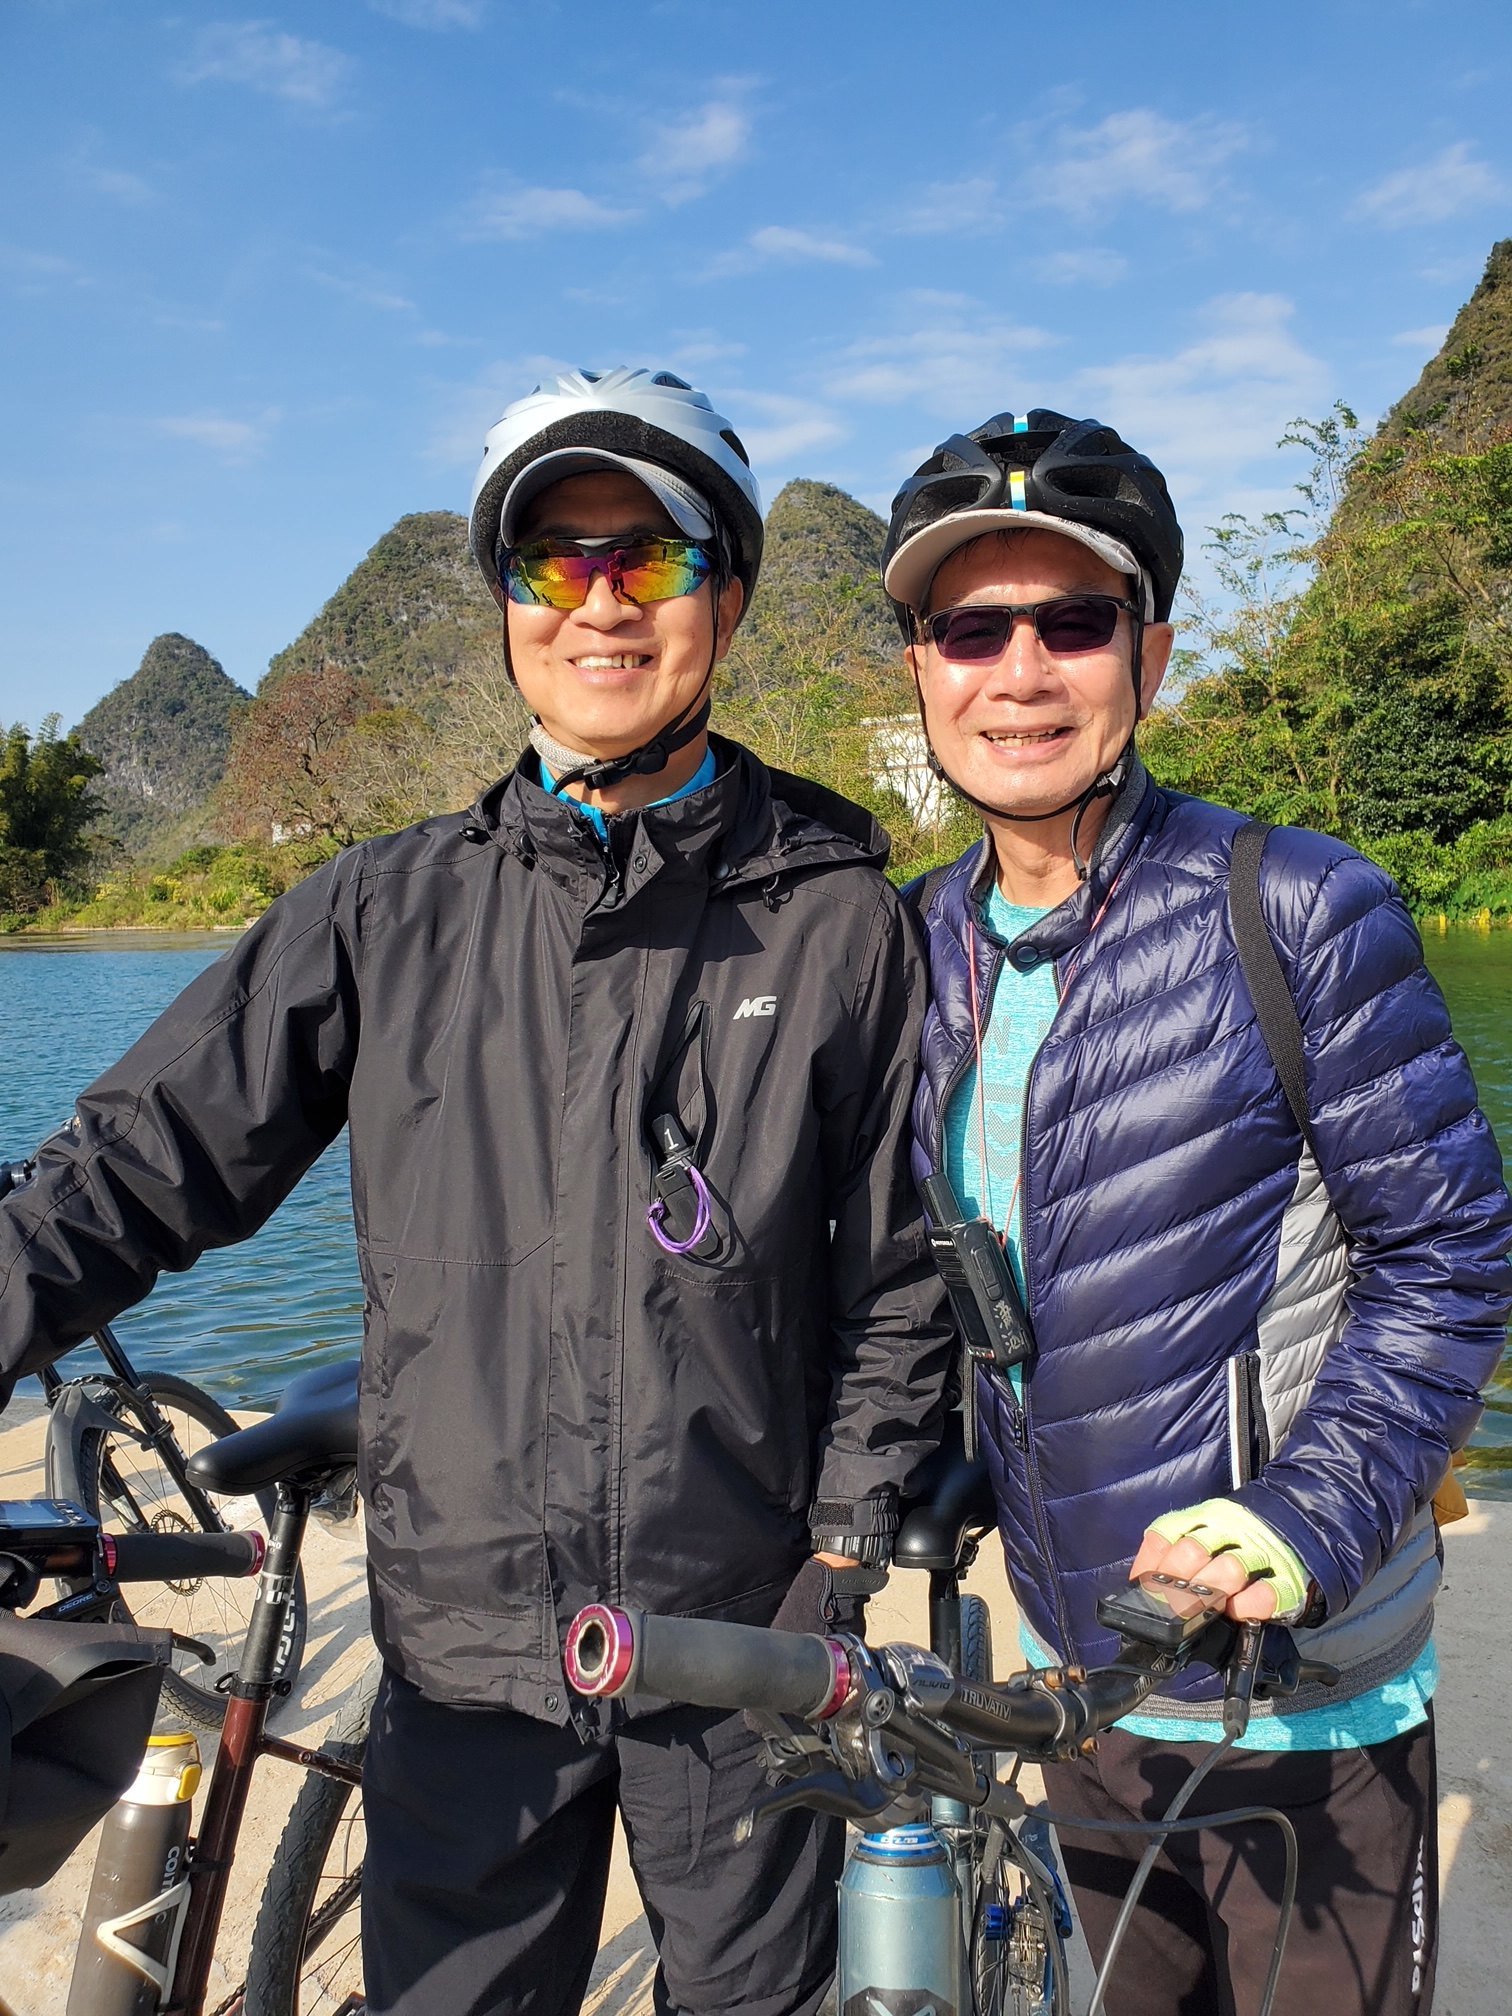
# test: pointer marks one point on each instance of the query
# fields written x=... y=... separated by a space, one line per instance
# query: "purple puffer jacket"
x=1214 y=1315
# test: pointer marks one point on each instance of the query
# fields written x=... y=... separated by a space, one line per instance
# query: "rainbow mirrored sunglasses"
x=560 y=572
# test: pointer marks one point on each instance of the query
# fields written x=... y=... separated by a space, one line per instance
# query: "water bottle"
x=136 y=1900
x=900 y=1928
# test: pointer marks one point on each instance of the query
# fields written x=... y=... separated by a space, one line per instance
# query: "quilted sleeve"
x=1414 y=1174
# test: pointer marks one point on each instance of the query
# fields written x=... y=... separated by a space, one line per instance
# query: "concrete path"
x=38 y=1930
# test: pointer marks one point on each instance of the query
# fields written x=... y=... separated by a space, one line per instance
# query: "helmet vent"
x=671 y=378
x=732 y=440
x=1085 y=481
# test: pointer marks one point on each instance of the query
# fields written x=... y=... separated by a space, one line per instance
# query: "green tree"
x=46 y=812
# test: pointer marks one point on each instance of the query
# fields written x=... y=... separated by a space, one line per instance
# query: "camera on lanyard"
x=989 y=1310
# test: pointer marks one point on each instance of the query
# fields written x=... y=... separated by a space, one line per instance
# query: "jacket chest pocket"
x=684 y=1214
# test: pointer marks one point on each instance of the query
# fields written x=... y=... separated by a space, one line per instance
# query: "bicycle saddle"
x=312 y=1434
x=949 y=1505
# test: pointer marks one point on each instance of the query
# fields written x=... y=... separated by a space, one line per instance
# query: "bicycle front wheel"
x=306 y=1957
x=136 y=1489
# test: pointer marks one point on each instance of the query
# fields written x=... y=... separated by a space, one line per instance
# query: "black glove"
x=823 y=1599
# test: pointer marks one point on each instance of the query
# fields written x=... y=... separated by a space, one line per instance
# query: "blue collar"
x=701 y=777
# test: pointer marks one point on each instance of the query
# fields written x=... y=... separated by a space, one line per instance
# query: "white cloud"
x=262 y=56
x=465 y=411
x=528 y=213
x=1218 y=403
x=1462 y=272
x=1452 y=182
x=367 y=289
x=233 y=440
x=1094 y=266
x=958 y=356
x=972 y=205
x=780 y=241
x=438 y=14
x=1428 y=338
x=119 y=185
x=36 y=272
x=781 y=244
x=786 y=426
x=686 y=153
x=703 y=346
x=1138 y=156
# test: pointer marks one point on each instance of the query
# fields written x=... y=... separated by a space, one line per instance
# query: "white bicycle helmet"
x=627 y=416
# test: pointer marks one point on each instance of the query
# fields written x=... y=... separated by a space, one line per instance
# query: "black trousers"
x=488 y=1843
x=1364 y=1935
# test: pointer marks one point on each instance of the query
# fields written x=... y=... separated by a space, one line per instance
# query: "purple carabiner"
x=703 y=1218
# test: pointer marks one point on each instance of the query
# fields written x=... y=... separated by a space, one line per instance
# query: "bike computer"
x=1137 y=1613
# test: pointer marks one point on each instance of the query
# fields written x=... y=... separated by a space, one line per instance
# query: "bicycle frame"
x=920 y=1944
x=244 y=1739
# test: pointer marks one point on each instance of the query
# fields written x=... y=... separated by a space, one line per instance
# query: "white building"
x=900 y=762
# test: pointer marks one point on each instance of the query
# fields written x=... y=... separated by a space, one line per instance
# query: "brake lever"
x=823 y=1792
x=1239 y=1680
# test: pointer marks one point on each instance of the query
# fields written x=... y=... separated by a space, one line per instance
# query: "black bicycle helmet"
x=1038 y=468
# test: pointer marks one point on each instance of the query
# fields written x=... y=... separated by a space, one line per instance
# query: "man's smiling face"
x=606 y=678
x=1028 y=731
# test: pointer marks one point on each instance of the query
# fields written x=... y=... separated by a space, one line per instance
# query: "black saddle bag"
x=76 y=1709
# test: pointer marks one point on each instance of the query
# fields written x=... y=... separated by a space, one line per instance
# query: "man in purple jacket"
x=1256 y=1346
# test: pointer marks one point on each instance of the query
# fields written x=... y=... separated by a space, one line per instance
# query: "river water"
x=248 y=1317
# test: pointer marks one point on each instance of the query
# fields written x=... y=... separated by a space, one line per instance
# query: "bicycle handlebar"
x=1048 y=1712
x=611 y=1652
x=711 y=1665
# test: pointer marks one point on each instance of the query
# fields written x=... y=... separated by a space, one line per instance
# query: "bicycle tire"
x=976 y=1639
x=214 y=1609
x=306 y=1955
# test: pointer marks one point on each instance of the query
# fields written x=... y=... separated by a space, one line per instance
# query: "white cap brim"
x=688 y=511
x=919 y=559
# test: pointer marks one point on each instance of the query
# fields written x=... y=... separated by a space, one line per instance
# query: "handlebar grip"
x=182 y=1557
x=710 y=1665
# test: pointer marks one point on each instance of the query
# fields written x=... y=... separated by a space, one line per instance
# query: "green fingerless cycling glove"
x=1224 y=1527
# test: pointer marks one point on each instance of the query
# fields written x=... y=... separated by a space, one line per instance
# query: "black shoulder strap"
x=920 y=893
x=1275 y=1010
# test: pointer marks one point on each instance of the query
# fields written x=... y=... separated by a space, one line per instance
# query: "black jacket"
x=553 y=1408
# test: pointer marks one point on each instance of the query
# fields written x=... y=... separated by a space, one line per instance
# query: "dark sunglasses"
x=560 y=572
x=1066 y=625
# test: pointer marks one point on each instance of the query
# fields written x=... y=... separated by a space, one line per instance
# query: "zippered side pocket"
x=1249 y=1437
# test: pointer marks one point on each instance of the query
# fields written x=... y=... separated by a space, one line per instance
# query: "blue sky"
x=266 y=278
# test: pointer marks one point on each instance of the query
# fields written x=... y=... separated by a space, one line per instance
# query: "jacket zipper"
x=1020 y=1415
x=1026 y=1430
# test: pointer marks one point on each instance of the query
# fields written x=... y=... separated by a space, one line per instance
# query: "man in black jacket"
x=626 y=1056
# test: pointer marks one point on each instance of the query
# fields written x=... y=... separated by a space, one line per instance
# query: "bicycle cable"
x=1172 y=1823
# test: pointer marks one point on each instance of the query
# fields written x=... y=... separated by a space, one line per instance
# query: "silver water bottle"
x=900 y=1928
x=136 y=1900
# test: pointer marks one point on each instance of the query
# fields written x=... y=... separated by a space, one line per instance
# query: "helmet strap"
x=1107 y=785
x=594 y=773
